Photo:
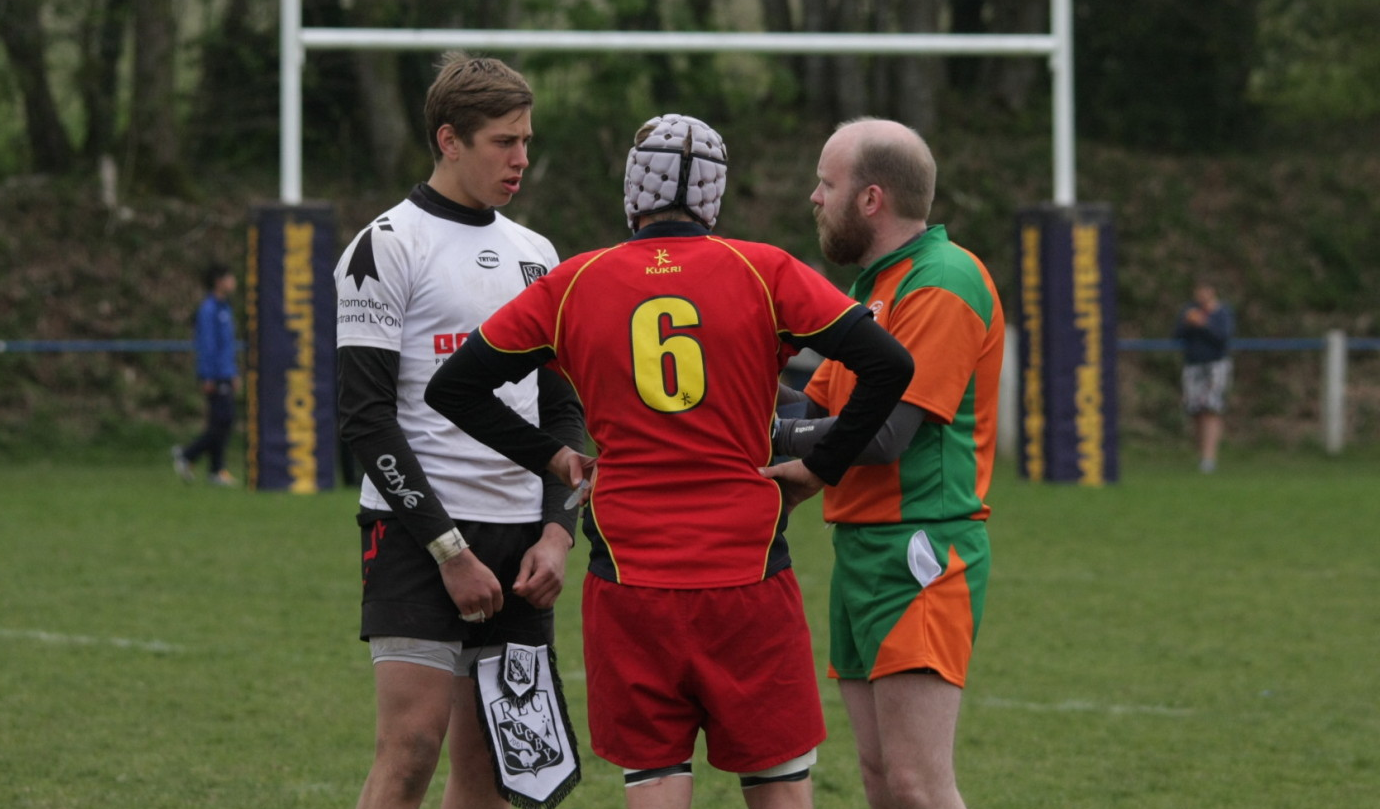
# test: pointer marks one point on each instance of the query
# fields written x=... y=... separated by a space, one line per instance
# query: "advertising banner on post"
x=290 y=348
x=1067 y=315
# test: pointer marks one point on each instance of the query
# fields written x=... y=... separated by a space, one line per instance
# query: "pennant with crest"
x=527 y=726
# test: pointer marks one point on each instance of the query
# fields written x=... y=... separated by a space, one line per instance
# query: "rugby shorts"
x=907 y=596
x=1205 y=386
x=736 y=662
x=405 y=597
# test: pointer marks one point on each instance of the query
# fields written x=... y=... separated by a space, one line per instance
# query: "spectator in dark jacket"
x=219 y=378
x=1205 y=328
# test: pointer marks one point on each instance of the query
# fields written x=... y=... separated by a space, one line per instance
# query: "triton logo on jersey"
x=487 y=259
x=531 y=271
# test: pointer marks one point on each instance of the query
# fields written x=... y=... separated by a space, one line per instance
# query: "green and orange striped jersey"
x=939 y=300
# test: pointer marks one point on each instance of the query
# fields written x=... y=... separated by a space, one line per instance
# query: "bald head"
x=889 y=155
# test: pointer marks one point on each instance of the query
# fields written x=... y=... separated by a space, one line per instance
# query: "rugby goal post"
x=1062 y=218
x=1057 y=45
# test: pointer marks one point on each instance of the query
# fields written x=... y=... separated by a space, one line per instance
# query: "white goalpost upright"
x=1056 y=45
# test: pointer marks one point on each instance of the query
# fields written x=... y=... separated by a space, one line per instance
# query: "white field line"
x=61 y=639
x=1082 y=706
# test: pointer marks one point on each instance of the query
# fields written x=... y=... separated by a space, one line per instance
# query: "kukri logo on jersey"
x=397 y=481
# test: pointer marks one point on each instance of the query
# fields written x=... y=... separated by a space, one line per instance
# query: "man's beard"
x=845 y=240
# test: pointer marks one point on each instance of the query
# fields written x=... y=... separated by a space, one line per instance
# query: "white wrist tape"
x=447 y=546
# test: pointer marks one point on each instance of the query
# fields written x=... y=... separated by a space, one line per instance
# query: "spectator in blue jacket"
x=1205 y=329
x=219 y=377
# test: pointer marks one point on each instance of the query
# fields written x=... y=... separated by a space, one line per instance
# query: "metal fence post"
x=1334 y=392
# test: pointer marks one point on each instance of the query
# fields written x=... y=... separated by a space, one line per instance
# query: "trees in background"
x=101 y=43
x=163 y=86
x=1169 y=74
x=155 y=131
x=1318 y=59
x=22 y=33
x=96 y=31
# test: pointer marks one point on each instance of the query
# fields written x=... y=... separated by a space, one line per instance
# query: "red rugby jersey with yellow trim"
x=939 y=301
x=674 y=345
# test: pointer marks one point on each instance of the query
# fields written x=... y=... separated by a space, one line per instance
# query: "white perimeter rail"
x=1057 y=46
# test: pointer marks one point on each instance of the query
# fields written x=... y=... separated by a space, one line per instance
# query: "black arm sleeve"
x=884 y=369
x=563 y=417
x=367 y=396
x=462 y=390
x=796 y=437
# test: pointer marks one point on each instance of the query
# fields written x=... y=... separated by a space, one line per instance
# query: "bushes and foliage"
x=1232 y=139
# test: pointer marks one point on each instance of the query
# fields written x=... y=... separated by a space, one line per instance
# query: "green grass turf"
x=1173 y=640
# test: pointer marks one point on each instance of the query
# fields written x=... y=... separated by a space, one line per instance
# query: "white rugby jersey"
x=418 y=280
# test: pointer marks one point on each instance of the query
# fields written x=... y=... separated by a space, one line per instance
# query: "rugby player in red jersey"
x=674 y=341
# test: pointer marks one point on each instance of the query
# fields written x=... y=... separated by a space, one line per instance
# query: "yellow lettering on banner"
x=1032 y=387
x=300 y=319
x=1087 y=319
x=301 y=430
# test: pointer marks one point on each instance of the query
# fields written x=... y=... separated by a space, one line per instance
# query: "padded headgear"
x=682 y=163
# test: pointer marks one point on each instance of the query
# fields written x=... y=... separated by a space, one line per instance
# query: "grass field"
x=1173 y=640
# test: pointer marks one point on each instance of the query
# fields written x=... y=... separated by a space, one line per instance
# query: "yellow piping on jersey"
x=766 y=291
x=766 y=557
x=560 y=308
x=559 y=312
x=490 y=343
x=832 y=322
x=608 y=546
x=781 y=500
x=761 y=281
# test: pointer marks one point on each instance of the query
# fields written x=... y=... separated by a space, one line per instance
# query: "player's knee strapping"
x=632 y=778
x=797 y=769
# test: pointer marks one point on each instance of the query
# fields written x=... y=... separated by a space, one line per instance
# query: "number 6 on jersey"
x=668 y=369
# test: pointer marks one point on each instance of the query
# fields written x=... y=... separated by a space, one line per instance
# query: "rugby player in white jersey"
x=448 y=527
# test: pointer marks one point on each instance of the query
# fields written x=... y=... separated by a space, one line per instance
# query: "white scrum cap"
x=682 y=163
